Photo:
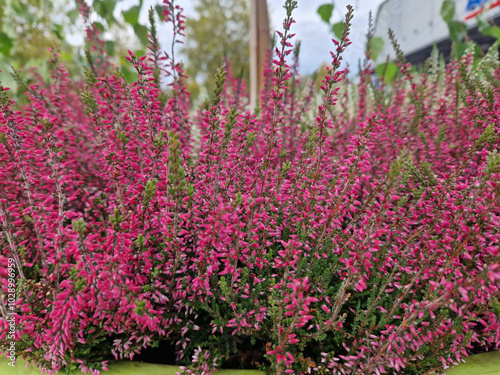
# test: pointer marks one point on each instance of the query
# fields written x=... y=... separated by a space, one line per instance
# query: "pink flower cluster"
x=357 y=236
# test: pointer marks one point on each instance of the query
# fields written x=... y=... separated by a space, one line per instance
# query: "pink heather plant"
x=356 y=236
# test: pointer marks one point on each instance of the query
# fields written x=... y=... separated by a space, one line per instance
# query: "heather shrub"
x=354 y=230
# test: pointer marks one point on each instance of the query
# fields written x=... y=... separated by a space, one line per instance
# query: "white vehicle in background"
x=418 y=26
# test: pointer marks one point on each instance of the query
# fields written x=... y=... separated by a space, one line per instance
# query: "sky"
x=314 y=34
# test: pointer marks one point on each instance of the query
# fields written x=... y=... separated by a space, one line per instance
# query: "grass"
x=115 y=368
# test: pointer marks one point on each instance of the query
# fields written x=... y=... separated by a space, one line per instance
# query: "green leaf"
x=488 y=30
x=99 y=27
x=100 y=8
x=110 y=47
x=20 y=8
x=129 y=74
x=337 y=29
x=448 y=10
x=73 y=15
x=6 y=44
x=131 y=16
x=159 y=10
x=67 y=57
x=58 y=30
x=325 y=11
x=142 y=33
x=460 y=49
x=105 y=9
x=387 y=71
x=457 y=30
x=493 y=31
x=376 y=46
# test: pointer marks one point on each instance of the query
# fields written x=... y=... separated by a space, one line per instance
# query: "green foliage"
x=387 y=71
x=105 y=8
x=160 y=140
x=492 y=163
x=89 y=101
x=27 y=29
x=116 y=219
x=22 y=84
x=338 y=28
x=228 y=129
x=488 y=137
x=90 y=78
x=424 y=175
x=457 y=30
x=132 y=15
x=220 y=31
x=123 y=137
x=149 y=192
x=79 y=226
x=140 y=307
x=448 y=10
x=6 y=44
x=176 y=177
x=142 y=33
x=488 y=29
x=376 y=46
x=220 y=78
x=396 y=166
x=397 y=48
x=325 y=11
x=249 y=141
x=441 y=135
x=79 y=283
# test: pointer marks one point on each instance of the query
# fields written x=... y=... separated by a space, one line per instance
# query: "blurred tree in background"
x=220 y=29
x=27 y=29
x=32 y=24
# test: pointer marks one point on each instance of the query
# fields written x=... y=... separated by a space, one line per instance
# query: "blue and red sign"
x=476 y=7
